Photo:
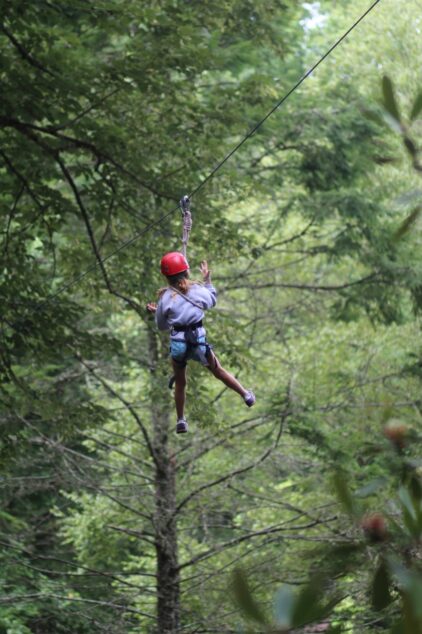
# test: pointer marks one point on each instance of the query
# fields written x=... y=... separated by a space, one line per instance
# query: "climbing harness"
x=193 y=343
x=191 y=338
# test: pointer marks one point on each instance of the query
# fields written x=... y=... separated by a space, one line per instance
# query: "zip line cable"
x=155 y=223
x=283 y=99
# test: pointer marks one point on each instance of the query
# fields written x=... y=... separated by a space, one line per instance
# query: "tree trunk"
x=168 y=590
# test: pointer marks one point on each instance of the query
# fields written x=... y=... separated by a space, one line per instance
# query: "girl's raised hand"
x=206 y=273
x=152 y=307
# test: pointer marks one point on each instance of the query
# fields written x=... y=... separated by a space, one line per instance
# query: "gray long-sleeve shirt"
x=174 y=310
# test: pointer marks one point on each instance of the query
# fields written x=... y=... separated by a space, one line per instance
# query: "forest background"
x=303 y=514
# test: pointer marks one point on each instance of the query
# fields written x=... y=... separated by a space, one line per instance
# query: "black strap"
x=194 y=326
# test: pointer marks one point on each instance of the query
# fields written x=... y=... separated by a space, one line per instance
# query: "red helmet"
x=173 y=263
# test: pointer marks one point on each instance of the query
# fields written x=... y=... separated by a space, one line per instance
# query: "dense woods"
x=304 y=513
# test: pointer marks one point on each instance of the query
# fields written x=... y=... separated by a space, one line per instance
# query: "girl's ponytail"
x=183 y=285
x=180 y=282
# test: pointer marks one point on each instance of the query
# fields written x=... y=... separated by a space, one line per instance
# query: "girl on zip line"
x=180 y=309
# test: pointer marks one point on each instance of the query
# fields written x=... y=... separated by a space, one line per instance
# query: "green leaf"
x=415 y=486
x=412 y=515
x=245 y=599
x=11 y=519
x=390 y=102
x=410 y=584
x=415 y=595
x=407 y=223
x=410 y=146
x=392 y=122
x=412 y=624
x=380 y=590
x=343 y=493
x=308 y=606
x=283 y=606
x=407 y=502
x=417 y=107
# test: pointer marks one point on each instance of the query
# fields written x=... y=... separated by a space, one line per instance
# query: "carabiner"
x=185 y=204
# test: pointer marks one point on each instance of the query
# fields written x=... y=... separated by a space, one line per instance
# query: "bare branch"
x=265 y=531
x=128 y=406
x=368 y=279
x=232 y=474
x=21 y=598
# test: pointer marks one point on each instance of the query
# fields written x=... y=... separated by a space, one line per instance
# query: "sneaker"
x=181 y=426
x=249 y=398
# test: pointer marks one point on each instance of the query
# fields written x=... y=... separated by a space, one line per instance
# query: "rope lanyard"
x=187 y=222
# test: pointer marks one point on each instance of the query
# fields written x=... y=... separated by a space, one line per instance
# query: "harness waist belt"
x=198 y=324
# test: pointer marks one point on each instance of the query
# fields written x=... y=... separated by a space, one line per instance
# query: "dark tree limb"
x=26 y=55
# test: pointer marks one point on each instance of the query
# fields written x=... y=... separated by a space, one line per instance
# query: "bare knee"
x=214 y=365
x=181 y=381
x=179 y=376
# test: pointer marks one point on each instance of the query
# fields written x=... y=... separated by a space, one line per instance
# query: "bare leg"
x=179 y=389
x=220 y=373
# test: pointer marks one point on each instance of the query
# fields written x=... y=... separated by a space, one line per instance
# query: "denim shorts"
x=198 y=353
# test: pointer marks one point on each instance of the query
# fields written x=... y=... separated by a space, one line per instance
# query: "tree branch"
x=128 y=406
x=238 y=540
x=25 y=54
x=236 y=472
x=26 y=128
x=311 y=287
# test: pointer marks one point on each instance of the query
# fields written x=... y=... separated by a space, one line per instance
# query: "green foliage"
x=396 y=584
x=110 y=112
